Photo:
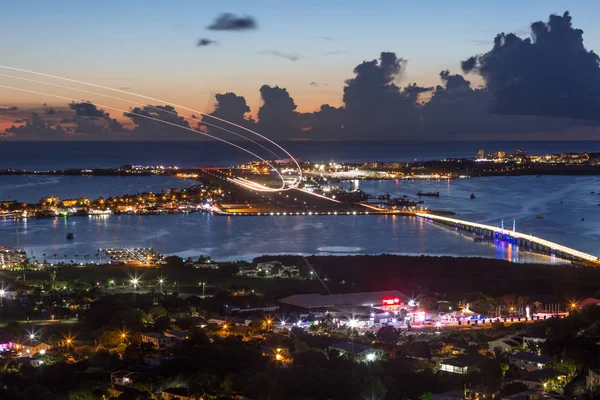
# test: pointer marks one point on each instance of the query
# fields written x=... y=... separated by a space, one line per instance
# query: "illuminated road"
x=521 y=239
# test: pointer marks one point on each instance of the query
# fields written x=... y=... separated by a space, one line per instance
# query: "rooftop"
x=352 y=348
x=316 y=300
x=464 y=361
x=540 y=375
x=522 y=355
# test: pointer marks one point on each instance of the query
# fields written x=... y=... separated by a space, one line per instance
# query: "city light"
x=371 y=357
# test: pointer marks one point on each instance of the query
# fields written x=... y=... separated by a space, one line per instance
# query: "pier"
x=534 y=243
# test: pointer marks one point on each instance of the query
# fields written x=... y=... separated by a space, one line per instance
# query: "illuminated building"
x=358 y=351
x=480 y=154
x=315 y=302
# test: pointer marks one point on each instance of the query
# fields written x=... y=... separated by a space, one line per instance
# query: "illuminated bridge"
x=511 y=236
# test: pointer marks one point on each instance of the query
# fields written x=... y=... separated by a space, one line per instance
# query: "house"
x=124 y=378
x=527 y=395
x=177 y=394
x=541 y=379
x=462 y=365
x=452 y=395
x=590 y=301
x=529 y=361
x=177 y=335
x=592 y=380
x=30 y=348
x=506 y=344
x=358 y=351
x=160 y=342
x=278 y=352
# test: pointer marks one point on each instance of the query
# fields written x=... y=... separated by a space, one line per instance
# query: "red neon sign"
x=391 y=301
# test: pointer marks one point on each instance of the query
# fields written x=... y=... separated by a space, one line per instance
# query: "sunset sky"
x=150 y=46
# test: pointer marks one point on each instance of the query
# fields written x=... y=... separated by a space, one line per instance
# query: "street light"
x=203 y=284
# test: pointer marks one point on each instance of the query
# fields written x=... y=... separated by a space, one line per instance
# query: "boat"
x=429 y=194
x=70 y=236
x=539 y=216
x=472 y=196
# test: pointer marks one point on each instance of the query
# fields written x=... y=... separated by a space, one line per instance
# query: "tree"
x=174 y=262
x=426 y=396
x=161 y=324
x=388 y=335
x=110 y=339
x=374 y=389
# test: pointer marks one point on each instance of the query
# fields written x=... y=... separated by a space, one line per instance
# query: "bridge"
x=534 y=243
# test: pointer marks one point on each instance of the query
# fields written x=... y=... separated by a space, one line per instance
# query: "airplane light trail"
x=136 y=103
x=283 y=187
x=172 y=104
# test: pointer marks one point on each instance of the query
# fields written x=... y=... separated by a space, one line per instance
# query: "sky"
x=150 y=47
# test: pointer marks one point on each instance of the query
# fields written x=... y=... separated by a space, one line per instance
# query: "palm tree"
x=65 y=258
x=44 y=257
x=76 y=257
x=54 y=255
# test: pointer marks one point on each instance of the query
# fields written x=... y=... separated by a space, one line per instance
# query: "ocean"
x=571 y=215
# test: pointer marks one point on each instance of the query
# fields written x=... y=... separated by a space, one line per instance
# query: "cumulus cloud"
x=549 y=74
x=375 y=105
x=36 y=128
x=85 y=109
x=277 y=116
x=287 y=56
x=150 y=129
x=205 y=42
x=232 y=22
x=230 y=107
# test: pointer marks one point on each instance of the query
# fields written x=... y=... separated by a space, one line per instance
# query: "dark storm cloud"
x=232 y=22
x=230 y=107
x=287 y=56
x=277 y=116
x=550 y=74
x=8 y=109
x=454 y=81
x=85 y=109
x=36 y=128
x=150 y=129
x=375 y=106
x=205 y=42
x=456 y=111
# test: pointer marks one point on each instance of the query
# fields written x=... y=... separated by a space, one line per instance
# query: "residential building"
x=462 y=365
x=529 y=361
x=592 y=380
x=177 y=335
x=358 y=351
x=542 y=379
x=480 y=154
x=160 y=342
x=177 y=394
x=507 y=345
x=124 y=378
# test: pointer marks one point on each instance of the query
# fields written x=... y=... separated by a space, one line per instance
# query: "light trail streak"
x=136 y=103
x=517 y=235
x=163 y=101
x=164 y=122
